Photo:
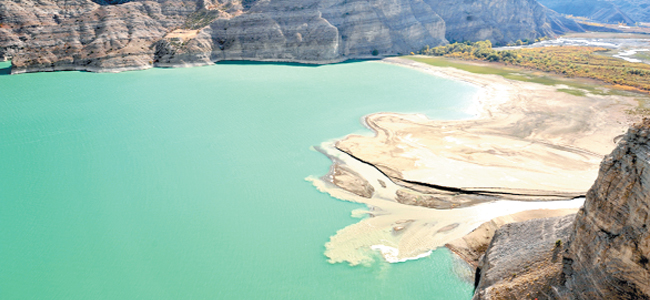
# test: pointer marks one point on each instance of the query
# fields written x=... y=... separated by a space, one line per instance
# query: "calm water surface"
x=189 y=183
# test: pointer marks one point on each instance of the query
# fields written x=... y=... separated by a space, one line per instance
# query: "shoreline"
x=509 y=115
x=407 y=231
x=62 y=67
x=524 y=137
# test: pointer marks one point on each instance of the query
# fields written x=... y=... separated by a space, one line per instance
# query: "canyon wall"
x=50 y=35
x=499 y=21
x=80 y=34
x=603 y=255
x=610 y=246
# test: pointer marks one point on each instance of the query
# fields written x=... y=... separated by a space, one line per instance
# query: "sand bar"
x=528 y=142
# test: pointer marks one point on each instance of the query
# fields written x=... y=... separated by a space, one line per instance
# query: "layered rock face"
x=524 y=260
x=606 y=253
x=319 y=31
x=104 y=35
x=498 y=21
x=610 y=248
x=80 y=34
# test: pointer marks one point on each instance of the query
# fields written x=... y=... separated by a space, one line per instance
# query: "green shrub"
x=570 y=61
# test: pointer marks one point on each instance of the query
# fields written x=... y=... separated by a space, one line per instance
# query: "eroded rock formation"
x=524 y=260
x=499 y=21
x=610 y=247
x=52 y=35
x=605 y=256
x=80 y=34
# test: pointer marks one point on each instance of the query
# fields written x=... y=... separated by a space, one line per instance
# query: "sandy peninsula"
x=531 y=150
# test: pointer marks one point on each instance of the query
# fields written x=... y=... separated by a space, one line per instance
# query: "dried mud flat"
x=531 y=150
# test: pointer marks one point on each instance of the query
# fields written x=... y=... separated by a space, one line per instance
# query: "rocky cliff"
x=49 y=35
x=524 y=260
x=498 y=21
x=80 y=34
x=605 y=253
x=609 y=251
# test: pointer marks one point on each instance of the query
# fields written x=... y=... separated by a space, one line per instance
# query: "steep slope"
x=561 y=24
x=523 y=260
x=610 y=247
x=608 y=11
x=115 y=35
x=499 y=21
x=316 y=32
x=603 y=254
x=79 y=34
x=639 y=10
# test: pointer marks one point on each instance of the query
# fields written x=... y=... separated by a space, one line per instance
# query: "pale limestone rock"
x=499 y=21
x=51 y=35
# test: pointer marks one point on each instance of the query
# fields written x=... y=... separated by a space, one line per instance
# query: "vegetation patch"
x=573 y=92
x=200 y=18
x=569 y=61
x=512 y=74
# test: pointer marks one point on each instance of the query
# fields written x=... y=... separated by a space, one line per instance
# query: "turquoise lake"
x=190 y=183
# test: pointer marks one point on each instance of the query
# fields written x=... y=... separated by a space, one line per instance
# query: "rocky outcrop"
x=524 y=260
x=82 y=35
x=105 y=35
x=473 y=246
x=498 y=21
x=610 y=248
x=606 y=254
x=349 y=180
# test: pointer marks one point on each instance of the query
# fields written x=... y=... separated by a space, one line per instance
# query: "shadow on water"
x=291 y=64
x=5 y=67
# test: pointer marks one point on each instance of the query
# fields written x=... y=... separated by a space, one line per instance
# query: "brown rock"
x=351 y=181
x=607 y=247
x=608 y=256
x=524 y=260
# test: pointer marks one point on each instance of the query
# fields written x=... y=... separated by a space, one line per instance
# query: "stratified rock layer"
x=609 y=252
x=606 y=255
x=498 y=21
x=82 y=35
x=51 y=35
x=524 y=260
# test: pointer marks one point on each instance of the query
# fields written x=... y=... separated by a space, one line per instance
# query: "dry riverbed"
x=531 y=150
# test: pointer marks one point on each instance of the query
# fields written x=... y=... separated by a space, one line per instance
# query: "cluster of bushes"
x=200 y=18
x=568 y=60
x=473 y=51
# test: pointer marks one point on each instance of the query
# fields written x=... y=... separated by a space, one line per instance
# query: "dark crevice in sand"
x=485 y=191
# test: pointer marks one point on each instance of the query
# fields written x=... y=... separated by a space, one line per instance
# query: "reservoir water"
x=190 y=183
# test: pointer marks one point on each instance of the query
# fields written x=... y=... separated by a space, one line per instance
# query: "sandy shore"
x=527 y=138
x=398 y=232
x=428 y=182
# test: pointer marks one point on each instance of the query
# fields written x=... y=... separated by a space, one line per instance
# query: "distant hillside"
x=608 y=11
